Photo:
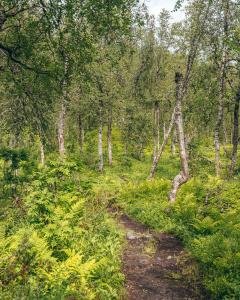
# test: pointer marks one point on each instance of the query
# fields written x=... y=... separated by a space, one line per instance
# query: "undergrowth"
x=206 y=217
x=57 y=241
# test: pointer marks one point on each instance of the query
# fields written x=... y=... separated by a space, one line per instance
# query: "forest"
x=119 y=150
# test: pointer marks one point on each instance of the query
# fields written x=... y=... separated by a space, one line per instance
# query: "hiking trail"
x=153 y=265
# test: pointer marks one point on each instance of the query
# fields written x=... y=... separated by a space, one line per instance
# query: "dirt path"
x=151 y=265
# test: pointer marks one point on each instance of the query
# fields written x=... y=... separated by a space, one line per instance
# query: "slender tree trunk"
x=225 y=138
x=222 y=89
x=218 y=126
x=184 y=174
x=235 y=135
x=156 y=129
x=100 y=134
x=159 y=154
x=61 y=125
x=109 y=136
x=173 y=147
x=225 y=132
x=80 y=132
x=62 y=114
x=164 y=129
x=42 y=153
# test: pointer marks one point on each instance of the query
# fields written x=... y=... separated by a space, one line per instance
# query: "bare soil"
x=155 y=265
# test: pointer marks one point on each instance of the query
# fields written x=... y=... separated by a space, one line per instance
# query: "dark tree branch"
x=10 y=54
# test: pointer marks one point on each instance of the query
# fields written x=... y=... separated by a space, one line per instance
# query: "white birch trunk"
x=62 y=113
x=109 y=137
x=164 y=129
x=42 y=153
x=81 y=132
x=156 y=114
x=100 y=133
x=222 y=81
x=235 y=135
x=61 y=125
x=184 y=173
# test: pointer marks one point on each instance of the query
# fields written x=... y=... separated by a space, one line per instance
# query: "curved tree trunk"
x=181 y=91
x=184 y=174
x=235 y=136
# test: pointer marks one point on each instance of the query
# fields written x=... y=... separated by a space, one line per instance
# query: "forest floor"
x=155 y=264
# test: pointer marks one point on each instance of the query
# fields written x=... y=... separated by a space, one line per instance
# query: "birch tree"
x=222 y=83
x=200 y=10
x=235 y=136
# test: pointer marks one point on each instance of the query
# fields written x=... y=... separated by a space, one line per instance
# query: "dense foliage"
x=102 y=104
x=56 y=242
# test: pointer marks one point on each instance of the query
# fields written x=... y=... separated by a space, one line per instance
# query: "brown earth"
x=155 y=265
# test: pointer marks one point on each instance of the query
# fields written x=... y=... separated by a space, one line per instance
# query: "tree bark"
x=222 y=81
x=156 y=129
x=42 y=153
x=80 y=132
x=173 y=147
x=61 y=127
x=235 y=136
x=184 y=173
x=100 y=133
x=109 y=136
x=218 y=125
x=164 y=129
x=159 y=154
x=62 y=114
x=225 y=137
